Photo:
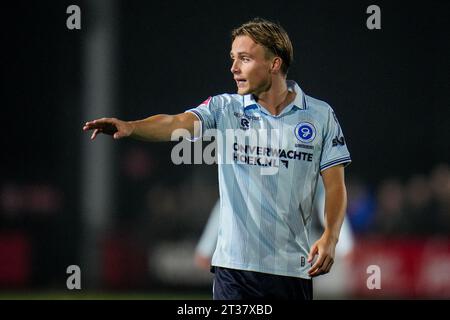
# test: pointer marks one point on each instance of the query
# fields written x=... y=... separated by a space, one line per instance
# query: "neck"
x=277 y=97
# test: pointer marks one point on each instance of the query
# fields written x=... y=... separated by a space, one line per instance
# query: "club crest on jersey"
x=245 y=123
x=305 y=132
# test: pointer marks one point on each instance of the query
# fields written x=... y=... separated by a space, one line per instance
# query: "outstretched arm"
x=335 y=206
x=154 y=128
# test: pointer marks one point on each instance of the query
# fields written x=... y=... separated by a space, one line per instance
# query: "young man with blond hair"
x=263 y=248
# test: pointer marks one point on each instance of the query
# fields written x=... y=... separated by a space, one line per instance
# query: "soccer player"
x=263 y=248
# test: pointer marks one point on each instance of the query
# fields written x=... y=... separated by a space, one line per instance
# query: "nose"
x=234 y=67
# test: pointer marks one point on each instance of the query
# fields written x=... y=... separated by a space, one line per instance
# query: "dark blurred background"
x=130 y=218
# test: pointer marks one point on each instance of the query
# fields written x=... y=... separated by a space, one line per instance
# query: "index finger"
x=98 y=122
x=103 y=120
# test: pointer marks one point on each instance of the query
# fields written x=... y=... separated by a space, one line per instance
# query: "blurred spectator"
x=361 y=205
x=440 y=188
x=421 y=207
x=390 y=218
x=421 y=215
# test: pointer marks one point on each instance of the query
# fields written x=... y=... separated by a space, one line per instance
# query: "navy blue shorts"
x=232 y=284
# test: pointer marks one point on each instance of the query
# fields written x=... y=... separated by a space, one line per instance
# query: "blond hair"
x=271 y=36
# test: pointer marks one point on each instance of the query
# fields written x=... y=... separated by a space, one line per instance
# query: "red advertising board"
x=407 y=268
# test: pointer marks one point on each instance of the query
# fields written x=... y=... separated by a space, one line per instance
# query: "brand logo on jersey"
x=304 y=146
x=248 y=116
x=338 y=141
x=245 y=123
x=305 y=132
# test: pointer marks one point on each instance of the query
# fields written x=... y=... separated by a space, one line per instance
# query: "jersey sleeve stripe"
x=199 y=116
x=335 y=162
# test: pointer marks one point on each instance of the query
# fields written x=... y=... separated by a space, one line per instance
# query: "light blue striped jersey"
x=267 y=186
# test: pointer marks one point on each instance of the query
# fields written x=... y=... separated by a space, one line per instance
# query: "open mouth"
x=240 y=82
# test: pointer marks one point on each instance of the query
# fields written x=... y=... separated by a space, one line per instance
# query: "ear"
x=276 y=64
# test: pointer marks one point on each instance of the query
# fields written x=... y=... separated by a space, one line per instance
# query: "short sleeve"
x=334 y=149
x=206 y=112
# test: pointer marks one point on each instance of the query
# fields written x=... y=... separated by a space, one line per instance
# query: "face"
x=251 y=68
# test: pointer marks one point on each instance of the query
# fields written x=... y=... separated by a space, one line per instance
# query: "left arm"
x=335 y=206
